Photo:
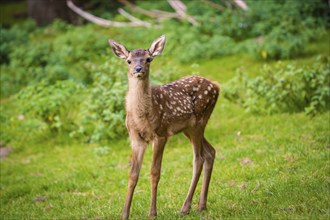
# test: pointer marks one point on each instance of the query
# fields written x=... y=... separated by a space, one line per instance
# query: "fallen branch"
x=214 y=5
x=180 y=8
x=103 y=22
x=177 y=5
x=241 y=4
x=132 y=18
x=159 y=15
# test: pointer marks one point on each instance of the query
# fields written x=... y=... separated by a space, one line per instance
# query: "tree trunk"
x=45 y=11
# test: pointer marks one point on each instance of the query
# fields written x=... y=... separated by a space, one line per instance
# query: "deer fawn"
x=154 y=113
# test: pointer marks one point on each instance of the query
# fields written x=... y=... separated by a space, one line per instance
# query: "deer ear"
x=157 y=46
x=118 y=49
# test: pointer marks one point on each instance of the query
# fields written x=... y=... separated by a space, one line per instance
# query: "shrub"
x=55 y=104
x=289 y=89
x=11 y=38
x=102 y=116
x=28 y=56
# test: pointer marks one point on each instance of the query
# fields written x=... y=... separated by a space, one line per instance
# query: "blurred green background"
x=64 y=147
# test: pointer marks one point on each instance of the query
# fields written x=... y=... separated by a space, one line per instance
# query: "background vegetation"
x=62 y=113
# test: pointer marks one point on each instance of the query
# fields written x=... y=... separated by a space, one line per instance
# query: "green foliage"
x=102 y=116
x=11 y=38
x=269 y=30
x=52 y=104
x=27 y=61
x=283 y=89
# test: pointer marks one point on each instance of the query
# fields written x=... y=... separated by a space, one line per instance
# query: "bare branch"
x=180 y=8
x=214 y=5
x=160 y=15
x=103 y=22
x=132 y=18
x=165 y=14
x=177 y=5
x=241 y=4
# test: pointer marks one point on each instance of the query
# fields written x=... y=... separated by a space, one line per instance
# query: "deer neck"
x=138 y=99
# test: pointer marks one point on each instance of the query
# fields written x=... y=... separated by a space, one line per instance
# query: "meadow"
x=62 y=117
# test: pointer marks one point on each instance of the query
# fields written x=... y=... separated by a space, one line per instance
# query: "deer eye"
x=129 y=62
x=149 y=59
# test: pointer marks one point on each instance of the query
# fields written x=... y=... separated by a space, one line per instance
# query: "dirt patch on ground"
x=4 y=151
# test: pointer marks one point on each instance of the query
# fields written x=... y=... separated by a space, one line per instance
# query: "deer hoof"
x=152 y=215
x=201 y=208
x=184 y=211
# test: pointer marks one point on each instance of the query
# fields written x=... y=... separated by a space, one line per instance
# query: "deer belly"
x=181 y=124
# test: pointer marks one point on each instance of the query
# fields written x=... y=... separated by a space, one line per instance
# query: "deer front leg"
x=138 y=148
x=157 y=155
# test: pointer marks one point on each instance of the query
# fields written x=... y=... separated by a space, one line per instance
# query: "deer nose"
x=138 y=69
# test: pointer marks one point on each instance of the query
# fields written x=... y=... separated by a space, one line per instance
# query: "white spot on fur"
x=205 y=92
x=200 y=96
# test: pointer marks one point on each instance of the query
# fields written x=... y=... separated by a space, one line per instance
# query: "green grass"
x=288 y=176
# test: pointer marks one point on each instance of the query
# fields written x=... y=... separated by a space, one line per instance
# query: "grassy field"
x=267 y=167
x=278 y=167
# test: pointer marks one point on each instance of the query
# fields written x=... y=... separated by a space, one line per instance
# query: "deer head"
x=138 y=60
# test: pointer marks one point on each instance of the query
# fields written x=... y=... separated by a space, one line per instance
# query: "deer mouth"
x=138 y=74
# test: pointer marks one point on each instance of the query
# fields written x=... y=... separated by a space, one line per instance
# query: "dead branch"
x=177 y=5
x=132 y=18
x=180 y=8
x=241 y=4
x=103 y=22
x=164 y=14
x=159 y=15
x=214 y=5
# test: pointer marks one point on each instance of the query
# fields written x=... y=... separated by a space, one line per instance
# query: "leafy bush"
x=52 y=104
x=270 y=30
x=102 y=115
x=285 y=27
x=11 y=38
x=289 y=89
x=30 y=57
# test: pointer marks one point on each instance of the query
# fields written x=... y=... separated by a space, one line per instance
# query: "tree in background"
x=45 y=11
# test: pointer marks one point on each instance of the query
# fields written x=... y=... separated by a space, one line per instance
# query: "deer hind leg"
x=196 y=138
x=157 y=155
x=208 y=155
x=138 y=148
